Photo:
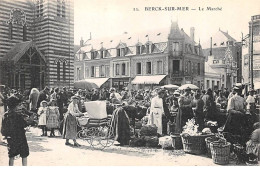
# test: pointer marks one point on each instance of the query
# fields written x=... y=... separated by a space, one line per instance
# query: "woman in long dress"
x=53 y=117
x=70 y=122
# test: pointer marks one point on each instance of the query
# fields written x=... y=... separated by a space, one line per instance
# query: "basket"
x=176 y=142
x=220 y=152
x=194 y=144
x=208 y=140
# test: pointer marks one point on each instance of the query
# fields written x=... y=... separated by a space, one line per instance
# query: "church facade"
x=37 y=45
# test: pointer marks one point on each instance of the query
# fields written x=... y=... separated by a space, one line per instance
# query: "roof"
x=76 y=48
x=19 y=50
x=155 y=79
x=218 y=53
x=219 y=39
x=157 y=37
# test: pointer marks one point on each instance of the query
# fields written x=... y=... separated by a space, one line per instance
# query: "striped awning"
x=155 y=79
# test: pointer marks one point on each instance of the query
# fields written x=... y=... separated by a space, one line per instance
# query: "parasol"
x=191 y=86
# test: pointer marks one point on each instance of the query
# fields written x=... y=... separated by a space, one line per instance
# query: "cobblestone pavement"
x=46 y=151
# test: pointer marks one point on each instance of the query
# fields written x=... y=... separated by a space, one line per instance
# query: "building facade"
x=224 y=55
x=45 y=27
x=145 y=59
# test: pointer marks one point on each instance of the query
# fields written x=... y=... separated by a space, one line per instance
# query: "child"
x=42 y=112
x=53 y=117
x=13 y=129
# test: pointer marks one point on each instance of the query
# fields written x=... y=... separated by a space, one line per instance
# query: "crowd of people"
x=57 y=108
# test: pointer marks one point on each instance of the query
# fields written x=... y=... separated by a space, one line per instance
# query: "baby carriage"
x=95 y=125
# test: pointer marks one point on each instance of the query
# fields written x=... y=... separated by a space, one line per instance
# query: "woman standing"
x=70 y=122
x=33 y=98
x=42 y=112
x=52 y=117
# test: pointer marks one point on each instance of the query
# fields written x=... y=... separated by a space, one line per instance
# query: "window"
x=78 y=73
x=102 y=70
x=64 y=71
x=208 y=84
x=123 y=69
x=10 y=30
x=223 y=78
x=97 y=71
x=117 y=69
x=61 y=8
x=138 y=68
x=198 y=84
x=148 y=67
x=176 y=66
x=24 y=33
x=39 y=8
x=84 y=56
x=213 y=84
x=218 y=84
x=159 y=67
x=107 y=71
x=148 y=48
x=175 y=46
x=93 y=55
x=198 y=68
x=189 y=67
x=118 y=52
x=92 y=71
x=138 y=50
x=87 y=72
x=102 y=53
x=58 y=71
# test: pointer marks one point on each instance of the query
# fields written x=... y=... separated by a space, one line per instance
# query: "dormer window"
x=175 y=46
x=149 y=48
x=93 y=55
x=120 y=52
x=138 y=50
x=102 y=53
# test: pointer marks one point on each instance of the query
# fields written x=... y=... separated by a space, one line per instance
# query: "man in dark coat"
x=43 y=96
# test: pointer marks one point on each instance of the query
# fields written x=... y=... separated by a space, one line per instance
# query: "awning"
x=156 y=79
x=90 y=83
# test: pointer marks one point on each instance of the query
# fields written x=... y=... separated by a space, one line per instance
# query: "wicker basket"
x=220 y=152
x=208 y=140
x=194 y=144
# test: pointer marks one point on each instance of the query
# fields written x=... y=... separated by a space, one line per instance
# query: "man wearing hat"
x=235 y=123
x=44 y=95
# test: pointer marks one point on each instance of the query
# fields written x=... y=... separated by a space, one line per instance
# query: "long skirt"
x=186 y=114
x=52 y=121
x=69 y=127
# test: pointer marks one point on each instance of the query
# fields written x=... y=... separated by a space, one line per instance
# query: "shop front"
x=120 y=83
x=149 y=82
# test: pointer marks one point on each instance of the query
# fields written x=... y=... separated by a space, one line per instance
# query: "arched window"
x=58 y=71
x=24 y=33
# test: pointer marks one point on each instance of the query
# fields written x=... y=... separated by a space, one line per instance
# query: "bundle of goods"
x=166 y=142
x=147 y=137
x=220 y=151
x=137 y=142
x=148 y=130
x=193 y=141
x=151 y=141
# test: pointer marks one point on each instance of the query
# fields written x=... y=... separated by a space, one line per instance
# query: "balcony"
x=175 y=53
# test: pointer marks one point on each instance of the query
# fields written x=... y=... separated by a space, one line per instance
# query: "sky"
x=106 y=18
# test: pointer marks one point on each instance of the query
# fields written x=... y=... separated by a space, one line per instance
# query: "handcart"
x=96 y=129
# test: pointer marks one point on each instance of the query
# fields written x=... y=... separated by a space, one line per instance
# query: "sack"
x=165 y=142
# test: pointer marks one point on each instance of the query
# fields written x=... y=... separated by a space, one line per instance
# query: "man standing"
x=44 y=95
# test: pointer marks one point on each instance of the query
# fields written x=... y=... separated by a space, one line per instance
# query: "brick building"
x=36 y=43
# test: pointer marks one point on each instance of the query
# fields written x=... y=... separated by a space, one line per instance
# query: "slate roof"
x=158 y=38
x=19 y=49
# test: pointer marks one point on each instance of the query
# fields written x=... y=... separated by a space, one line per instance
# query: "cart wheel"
x=94 y=136
x=84 y=135
x=107 y=136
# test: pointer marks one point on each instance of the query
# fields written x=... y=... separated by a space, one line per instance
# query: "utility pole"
x=252 y=55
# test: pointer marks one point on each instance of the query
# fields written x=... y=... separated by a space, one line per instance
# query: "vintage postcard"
x=129 y=82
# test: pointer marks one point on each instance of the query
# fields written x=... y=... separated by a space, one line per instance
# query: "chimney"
x=192 y=31
x=81 y=42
